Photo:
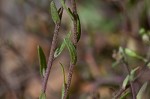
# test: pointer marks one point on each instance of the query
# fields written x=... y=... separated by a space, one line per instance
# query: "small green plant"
x=132 y=76
x=67 y=42
x=70 y=42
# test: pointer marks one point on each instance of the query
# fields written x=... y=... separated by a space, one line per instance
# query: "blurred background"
x=106 y=25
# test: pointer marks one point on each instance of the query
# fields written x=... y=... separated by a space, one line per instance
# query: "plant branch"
x=72 y=65
x=119 y=93
x=51 y=57
x=136 y=78
x=131 y=83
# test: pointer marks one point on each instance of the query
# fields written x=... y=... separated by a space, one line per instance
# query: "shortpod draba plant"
x=71 y=45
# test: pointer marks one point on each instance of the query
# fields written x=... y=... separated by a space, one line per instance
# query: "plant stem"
x=120 y=93
x=51 y=57
x=136 y=78
x=131 y=83
x=71 y=68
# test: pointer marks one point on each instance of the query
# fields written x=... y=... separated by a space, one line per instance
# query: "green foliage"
x=121 y=54
x=129 y=77
x=64 y=83
x=78 y=28
x=63 y=71
x=54 y=13
x=42 y=61
x=132 y=74
x=96 y=21
x=125 y=82
x=62 y=91
x=69 y=12
x=141 y=91
x=59 y=50
x=133 y=54
x=72 y=50
x=42 y=96
x=125 y=95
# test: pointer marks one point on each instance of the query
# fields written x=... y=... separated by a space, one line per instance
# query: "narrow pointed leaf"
x=62 y=91
x=42 y=61
x=60 y=11
x=59 y=50
x=63 y=71
x=72 y=50
x=125 y=82
x=133 y=54
x=67 y=9
x=42 y=96
x=54 y=13
x=70 y=13
x=64 y=83
x=133 y=73
x=78 y=28
x=141 y=91
x=125 y=95
x=129 y=77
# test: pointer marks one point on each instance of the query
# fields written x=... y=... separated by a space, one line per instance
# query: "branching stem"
x=71 y=68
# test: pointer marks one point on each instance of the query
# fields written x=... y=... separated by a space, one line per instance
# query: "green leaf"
x=63 y=71
x=42 y=61
x=78 y=28
x=125 y=95
x=132 y=74
x=60 y=10
x=133 y=54
x=54 y=13
x=42 y=96
x=64 y=83
x=67 y=9
x=129 y=77
x=62 y=91
x=59 y=50
x=72 y=50
x=125 y=82
x=141 y=91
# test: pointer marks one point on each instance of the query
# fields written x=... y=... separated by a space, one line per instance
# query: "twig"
x=136 y=78
x=120 y=92
x=71 y=68
x=51 y=57
x=131 y=83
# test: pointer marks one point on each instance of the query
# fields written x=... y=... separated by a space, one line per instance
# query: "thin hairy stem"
x=51 y=57
x=72 y=65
